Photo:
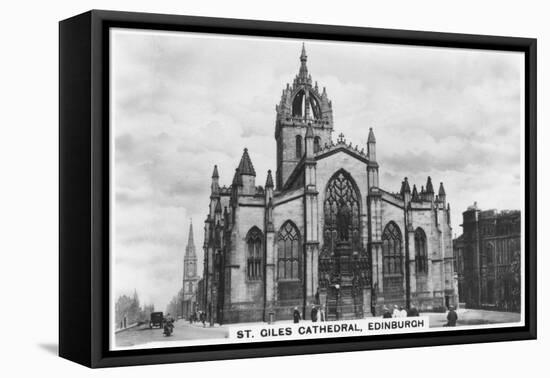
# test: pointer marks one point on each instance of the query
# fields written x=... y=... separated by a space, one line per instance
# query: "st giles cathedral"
x=321 y=230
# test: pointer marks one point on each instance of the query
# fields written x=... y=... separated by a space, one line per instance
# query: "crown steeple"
x=303 y=102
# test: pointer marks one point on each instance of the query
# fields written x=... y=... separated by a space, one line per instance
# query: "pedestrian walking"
x=387 y=313
x=396 y=313
x=452 y=317
x=321 y=315
x=413 y=311
x=296 y=315
x=314 y=313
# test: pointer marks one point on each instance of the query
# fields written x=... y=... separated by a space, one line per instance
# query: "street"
x=182 y=331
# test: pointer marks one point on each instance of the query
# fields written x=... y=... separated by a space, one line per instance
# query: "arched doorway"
x=343 y=263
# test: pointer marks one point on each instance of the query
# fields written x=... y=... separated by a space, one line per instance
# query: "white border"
x=112 y=185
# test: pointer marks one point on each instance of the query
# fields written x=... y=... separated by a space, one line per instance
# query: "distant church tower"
x=190 y=278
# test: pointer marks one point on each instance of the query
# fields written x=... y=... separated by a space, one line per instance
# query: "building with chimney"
x=322 y=231
x=488 y=259
x=190 y=277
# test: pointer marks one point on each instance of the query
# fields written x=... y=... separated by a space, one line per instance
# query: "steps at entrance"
x=344 y=303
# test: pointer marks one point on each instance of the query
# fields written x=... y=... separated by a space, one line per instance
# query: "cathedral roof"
x=342 y=145
x=245 y=166
x=237 y=179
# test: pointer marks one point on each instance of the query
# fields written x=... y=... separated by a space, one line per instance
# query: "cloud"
x=184 y=102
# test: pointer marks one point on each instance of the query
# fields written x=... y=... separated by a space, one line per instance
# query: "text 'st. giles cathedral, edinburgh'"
x=322 y=231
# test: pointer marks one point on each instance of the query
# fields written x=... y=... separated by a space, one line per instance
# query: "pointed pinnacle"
x=269 y=181
x=441 y=189
x=371 y=138
x=215 y=173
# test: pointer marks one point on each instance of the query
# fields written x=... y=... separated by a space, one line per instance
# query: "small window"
x=254 y=265
x=298 y=146
x=316 y=144
x=421 y=255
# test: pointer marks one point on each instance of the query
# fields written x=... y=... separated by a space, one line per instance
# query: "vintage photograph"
x=268 y=189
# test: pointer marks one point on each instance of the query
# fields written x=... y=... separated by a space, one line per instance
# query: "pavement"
x=183 y=330
x=472 y=317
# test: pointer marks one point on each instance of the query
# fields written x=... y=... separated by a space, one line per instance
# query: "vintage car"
x=157 y=319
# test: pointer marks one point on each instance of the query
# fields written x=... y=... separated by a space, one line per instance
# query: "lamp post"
x=337 y=288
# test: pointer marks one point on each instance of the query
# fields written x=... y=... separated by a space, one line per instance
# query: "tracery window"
x=391 y=250
x=421 y=254
x=341 y=193
x=288 y=253
x=254 y=266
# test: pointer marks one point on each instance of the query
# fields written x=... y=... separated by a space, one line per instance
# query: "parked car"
x=157 y=320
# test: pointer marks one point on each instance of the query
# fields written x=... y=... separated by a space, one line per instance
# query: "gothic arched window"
x=316 y=144
x=289 y=252
x=341 y=198
x=254 y=266
x=298 y=146
x=391 y=249
x=420 y=251
x=298 y=104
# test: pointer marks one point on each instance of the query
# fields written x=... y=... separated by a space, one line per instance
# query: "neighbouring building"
x=190 y=277
x=322 y=231
x=488 y=259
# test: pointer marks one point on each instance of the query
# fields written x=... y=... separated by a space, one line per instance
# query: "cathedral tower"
x=302 y=103
x=190 y=277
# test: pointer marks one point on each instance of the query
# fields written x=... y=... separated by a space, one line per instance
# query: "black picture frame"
x=84 y=187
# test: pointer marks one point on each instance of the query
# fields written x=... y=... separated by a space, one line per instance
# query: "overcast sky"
x=183 y=102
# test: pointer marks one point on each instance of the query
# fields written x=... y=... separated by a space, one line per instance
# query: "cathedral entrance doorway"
x=343 y=262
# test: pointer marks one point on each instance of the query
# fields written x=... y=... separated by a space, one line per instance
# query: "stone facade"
x=323 y=232
x=488 y=258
